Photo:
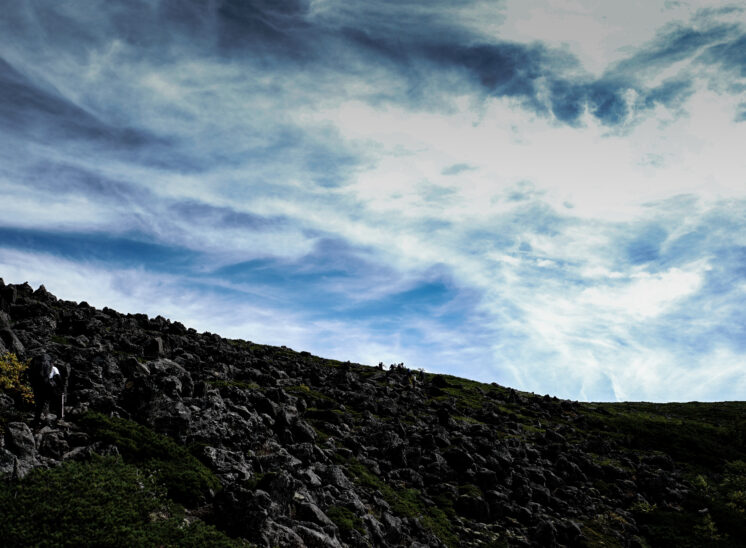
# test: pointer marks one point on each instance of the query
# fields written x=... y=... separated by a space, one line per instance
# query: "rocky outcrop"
x=312 y=452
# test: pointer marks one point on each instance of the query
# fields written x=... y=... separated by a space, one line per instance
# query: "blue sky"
x=549 y=195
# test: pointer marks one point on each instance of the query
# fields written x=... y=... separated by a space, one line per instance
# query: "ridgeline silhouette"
x=174 y=437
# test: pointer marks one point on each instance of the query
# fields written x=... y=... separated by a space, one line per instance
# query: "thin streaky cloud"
x=546 y=196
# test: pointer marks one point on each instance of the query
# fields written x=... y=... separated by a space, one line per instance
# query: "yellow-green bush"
x=12 y=378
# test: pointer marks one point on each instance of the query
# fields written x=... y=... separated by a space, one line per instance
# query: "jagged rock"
x=568 y=532
x=172 y=378
x=473 y=507
x=52 y=443
x=280 y=535
x=283 y=486
x=288 y=434
x=77 y=454
x=335 y=475
x=8 y=296
x=8 y=463
x=277 y=457
x=154 y=348
x=19 y=439
x=459 y=459
x=374 y=528
x=6 y=402
x=393 y=527
x=316 y=539
x=308 y=511
x=10 y=341
x=310 y=478
x=131 y=367
x=170 y=417
x=545 y=534
x=229 y=464
x=242 y=512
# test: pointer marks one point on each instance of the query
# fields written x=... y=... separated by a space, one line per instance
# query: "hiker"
x=411 y=381
x=48 y=386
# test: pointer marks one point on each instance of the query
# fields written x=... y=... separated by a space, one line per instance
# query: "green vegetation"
x=707 y=440
x=102 y=503
x=471 y=490
x=315 y=396
x=669 y=528
x=12 y=378
x=468 y=393
x=188 y=481
x=243 y=385
x=689 y=434
x=470 y=420
x=262 y=480
x=244 y=345
x=345 y=519
x=404 y=502
x=722 y=525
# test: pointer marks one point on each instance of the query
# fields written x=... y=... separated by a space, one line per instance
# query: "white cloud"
x=648 y=295
x=598 y=33
x=560 y=303
x=136 y=290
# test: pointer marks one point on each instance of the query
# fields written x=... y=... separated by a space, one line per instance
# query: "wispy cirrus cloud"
x=467 y=187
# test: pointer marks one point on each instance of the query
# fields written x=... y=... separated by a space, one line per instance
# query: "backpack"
x=41 y=371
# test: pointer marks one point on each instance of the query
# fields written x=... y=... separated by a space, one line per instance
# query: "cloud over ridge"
x=394 y=181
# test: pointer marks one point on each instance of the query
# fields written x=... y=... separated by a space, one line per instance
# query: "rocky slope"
x=282 y=448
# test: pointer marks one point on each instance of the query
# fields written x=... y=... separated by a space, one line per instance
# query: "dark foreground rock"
x=288 y=449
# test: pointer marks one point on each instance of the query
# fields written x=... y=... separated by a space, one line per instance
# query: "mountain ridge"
x=272 y=447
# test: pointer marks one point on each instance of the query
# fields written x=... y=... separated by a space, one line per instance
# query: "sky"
x=548 y=195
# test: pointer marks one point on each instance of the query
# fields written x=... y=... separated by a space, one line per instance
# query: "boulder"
x=20 y=440
x=10 y=341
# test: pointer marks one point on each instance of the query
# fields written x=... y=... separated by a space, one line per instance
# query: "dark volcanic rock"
x=311 y=452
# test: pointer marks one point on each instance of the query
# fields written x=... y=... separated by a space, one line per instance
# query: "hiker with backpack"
x=48 y=386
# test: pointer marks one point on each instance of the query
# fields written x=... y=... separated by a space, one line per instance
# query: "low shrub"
x=188 y=481
x=101 y=503
x=345 y=519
